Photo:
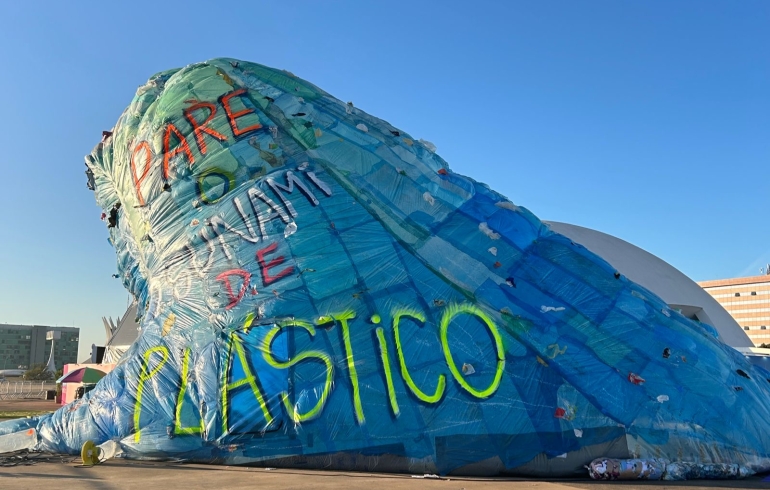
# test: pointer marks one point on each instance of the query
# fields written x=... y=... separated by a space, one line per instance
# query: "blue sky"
x=646 y=120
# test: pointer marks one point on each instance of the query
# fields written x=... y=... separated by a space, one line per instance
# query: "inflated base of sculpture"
x=317 y=288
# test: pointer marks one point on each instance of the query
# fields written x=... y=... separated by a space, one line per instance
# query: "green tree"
x=37 y=372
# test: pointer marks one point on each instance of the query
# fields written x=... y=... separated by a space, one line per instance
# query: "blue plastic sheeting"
x=317 y=288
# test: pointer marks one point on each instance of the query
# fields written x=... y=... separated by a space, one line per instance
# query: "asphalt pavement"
x=64 y=472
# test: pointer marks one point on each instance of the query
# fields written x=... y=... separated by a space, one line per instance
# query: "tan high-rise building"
x=747 y=299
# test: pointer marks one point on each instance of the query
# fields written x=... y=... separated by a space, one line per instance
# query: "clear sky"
x=648 y=120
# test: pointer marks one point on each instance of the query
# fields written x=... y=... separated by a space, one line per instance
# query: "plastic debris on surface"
x=627 y=469
x=316 y=288
x=660 y=469
x=697 y=471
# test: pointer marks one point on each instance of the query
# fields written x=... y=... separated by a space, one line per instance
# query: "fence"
x=11 y=390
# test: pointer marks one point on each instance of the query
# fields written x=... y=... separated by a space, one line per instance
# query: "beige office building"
x=747 y=299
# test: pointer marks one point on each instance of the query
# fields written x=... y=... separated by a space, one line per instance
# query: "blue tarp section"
x=317 y=288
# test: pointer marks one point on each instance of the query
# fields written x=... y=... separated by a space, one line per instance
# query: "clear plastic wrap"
x=317 y=288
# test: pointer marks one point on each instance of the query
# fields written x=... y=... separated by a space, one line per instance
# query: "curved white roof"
x=672 y=286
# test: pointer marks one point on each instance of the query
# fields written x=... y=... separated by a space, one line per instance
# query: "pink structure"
x=68 y=390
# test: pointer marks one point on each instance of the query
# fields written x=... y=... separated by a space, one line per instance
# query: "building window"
x=753 y=293
x=746 y=328
x=737 y=294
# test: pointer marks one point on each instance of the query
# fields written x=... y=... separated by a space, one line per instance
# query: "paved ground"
x=131 y=475
x=14 y=407
x=38 y=405
x=68 y=473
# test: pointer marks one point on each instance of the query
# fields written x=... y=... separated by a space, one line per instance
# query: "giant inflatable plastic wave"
x=317 y=288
